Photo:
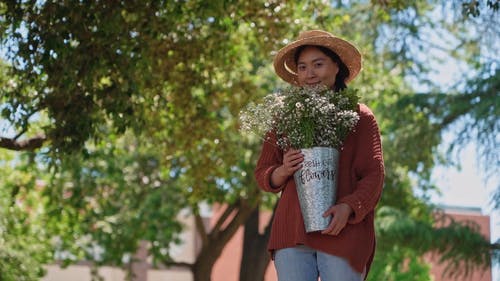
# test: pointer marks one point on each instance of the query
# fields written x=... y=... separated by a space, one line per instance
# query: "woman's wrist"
x=348 y=208
x=278 y=177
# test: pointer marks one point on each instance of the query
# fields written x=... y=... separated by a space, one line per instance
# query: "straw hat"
x=284 y=61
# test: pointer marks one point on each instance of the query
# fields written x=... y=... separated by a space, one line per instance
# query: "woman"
x=345 y=249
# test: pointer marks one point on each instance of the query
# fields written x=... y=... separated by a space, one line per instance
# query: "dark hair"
x=343 y=70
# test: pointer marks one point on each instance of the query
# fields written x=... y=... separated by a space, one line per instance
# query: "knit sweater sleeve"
x=271 y=157
x=368 y=167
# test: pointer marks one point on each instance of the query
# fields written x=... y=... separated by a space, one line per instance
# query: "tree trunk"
x=202 y=268
x=255 y=258
x=215 y=241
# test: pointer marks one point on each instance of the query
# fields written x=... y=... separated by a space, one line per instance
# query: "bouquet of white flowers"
x=315 y=120
x=304 y=117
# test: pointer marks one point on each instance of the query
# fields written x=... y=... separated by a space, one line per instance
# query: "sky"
x=469 y=185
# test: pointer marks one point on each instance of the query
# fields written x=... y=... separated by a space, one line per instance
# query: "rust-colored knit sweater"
x=360 y=180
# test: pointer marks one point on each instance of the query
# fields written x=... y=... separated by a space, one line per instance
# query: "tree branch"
x=200 y=228
x=218 y=225
x=28 y=144
x=495 y=246
x=178 y=264
x=242 y=214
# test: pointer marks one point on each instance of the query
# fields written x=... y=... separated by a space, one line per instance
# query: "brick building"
x=227 y=267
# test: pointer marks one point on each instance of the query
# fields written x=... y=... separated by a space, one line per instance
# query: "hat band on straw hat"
x=284 y=61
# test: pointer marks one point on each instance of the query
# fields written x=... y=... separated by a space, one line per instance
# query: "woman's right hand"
x=292 y=161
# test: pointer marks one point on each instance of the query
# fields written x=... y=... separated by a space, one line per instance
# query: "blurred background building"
x=227 y=267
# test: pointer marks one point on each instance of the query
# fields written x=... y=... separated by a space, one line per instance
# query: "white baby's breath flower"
x=304 y=117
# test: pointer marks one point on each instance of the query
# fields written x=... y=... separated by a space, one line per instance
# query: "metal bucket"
x=316 y=185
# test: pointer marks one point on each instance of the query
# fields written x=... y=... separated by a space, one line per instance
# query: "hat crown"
x=313 y=33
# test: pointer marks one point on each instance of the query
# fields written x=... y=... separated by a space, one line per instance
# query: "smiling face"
x=314 y=67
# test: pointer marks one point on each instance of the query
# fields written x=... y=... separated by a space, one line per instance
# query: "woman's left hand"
x=341 y=214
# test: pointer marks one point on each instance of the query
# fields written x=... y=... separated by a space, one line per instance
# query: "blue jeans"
x=302 y=263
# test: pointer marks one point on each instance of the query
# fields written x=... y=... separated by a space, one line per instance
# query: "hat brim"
x=286 y=68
